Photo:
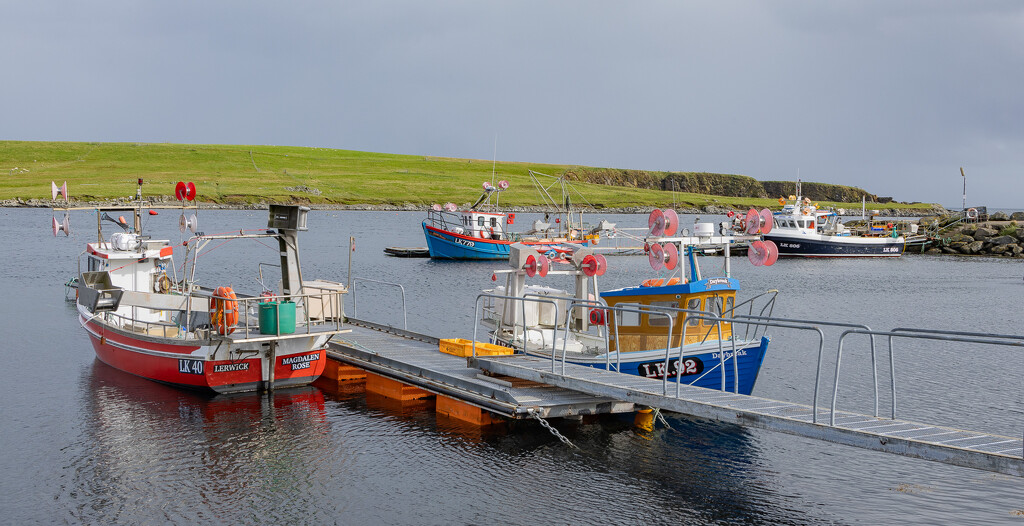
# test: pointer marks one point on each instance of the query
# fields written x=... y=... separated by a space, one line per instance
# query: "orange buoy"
x=224 y=310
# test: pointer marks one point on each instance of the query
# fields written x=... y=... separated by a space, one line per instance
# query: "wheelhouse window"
x=713 y=306
x=494 y=222
x=480 y=221
x=626 y=318
x=692 y=304
x=658 y=319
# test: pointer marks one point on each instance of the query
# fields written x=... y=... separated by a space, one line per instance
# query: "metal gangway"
x=979 y=450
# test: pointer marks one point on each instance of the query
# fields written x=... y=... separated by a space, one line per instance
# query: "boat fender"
x=224 y=310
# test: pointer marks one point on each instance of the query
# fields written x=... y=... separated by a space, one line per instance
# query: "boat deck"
x=945 y=444
x=414 y=359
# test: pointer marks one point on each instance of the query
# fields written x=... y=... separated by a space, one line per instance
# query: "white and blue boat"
x=802 y=229
x=484 y=231
x=678 y=325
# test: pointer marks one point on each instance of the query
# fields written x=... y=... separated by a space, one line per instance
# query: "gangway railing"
x=920 y=334
x=874 y=367
x=355 y=304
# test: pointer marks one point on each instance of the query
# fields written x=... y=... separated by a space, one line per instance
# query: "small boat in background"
x=675 y=326
x=484 y=231
x=803 y=229
x=143 y=318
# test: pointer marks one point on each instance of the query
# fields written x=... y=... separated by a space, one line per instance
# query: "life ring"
x=807 y=211
x=972 y=213
x=483 y=234
x=224 y=310
x=596 y=240
x=782 y=201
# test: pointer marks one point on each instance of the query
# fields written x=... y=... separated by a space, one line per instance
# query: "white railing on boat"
x=314 y=312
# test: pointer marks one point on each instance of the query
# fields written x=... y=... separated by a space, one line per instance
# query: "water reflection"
x=146 y=447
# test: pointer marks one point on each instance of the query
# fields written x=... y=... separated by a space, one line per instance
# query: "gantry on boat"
x=653 y=329
x=144 y=318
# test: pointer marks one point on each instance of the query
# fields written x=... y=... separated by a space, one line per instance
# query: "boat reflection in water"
x=150 y=446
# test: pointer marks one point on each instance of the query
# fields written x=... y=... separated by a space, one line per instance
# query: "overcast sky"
x=891 y=96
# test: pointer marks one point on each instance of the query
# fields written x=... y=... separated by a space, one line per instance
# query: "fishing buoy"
x=61 y=190
x=656 y=222
x=62 y=226
x=671 y=219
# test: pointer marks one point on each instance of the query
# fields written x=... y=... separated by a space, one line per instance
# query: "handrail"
x=874 y=366
x=602 y=305
x=322 y=297
x=355 y=306
x=921 y=334
x=476 y=316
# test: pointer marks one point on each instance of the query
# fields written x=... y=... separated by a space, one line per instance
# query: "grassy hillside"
x=238 y=175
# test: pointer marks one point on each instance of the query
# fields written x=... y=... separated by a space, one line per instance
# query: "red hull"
x=174 y=364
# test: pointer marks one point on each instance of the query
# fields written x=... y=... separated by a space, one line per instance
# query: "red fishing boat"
x=144 y=318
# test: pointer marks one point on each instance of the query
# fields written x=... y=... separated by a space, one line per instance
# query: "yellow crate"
x=461 y=347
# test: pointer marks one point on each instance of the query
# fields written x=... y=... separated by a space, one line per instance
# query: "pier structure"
x=484 y=390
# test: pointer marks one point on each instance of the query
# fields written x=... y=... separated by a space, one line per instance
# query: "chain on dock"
x=552 y=430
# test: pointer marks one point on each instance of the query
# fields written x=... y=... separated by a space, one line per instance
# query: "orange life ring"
x=782 y=200
x=224 y=310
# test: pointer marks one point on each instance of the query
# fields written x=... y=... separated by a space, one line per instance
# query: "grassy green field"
x=239 y=175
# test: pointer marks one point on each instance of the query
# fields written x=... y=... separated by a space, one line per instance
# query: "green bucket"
x=270 y=320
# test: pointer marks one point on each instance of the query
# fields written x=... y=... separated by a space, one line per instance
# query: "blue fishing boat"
x=484 y=231
x=678 y=325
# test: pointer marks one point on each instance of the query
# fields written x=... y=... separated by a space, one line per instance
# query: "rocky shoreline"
x=1000 y=235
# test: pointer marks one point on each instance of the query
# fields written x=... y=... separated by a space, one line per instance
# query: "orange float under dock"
x=405 y=366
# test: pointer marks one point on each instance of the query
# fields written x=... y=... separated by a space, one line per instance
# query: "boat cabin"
x=636 y=332
x=484 y=225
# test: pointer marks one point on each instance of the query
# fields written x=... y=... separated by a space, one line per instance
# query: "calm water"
x=83 y=443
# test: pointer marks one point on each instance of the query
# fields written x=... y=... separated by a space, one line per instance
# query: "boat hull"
x=444 y=244
x=702 y=368
x=186 y=364
x=836 y=246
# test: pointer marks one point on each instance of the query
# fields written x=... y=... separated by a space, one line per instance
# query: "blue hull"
x=443 y=244
x=707 y=373
x=448 y=245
